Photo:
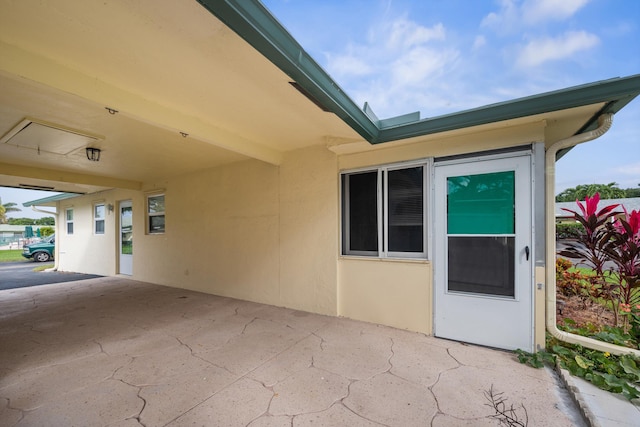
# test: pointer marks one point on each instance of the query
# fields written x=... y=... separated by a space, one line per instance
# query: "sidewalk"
x=112 y=351
x=599 y=407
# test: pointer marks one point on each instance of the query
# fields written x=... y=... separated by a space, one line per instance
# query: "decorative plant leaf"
x=582 y=362
x=630 y=367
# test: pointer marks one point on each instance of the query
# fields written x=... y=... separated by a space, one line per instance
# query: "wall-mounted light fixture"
x=110 y=207
x=93 y=154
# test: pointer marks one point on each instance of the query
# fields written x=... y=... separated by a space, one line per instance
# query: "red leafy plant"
x=611 y=247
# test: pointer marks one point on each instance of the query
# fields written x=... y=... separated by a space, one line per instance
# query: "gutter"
x=604 y=124
x=56 y=247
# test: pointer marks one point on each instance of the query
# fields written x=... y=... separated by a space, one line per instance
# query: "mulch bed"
x=581 y=313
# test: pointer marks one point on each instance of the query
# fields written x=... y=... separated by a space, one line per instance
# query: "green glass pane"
x=481 y=204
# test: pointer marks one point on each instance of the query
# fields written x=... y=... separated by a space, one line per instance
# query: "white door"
x=125 y=241
x=483 y=233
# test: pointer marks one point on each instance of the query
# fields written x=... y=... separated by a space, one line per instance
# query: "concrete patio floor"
x=112 y=351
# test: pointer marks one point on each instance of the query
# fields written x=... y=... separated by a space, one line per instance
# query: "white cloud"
x=632 y=169
x=479 y=42
x=399 y=65
x=546 y=49
x=420 y=64
x=347 y=64
x=512 y=16
x=535 y=11
x=405 y=34
x=504 y=20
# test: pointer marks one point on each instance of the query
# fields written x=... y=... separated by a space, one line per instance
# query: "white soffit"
x=47 y=137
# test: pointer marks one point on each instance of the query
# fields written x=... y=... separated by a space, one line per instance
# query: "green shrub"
x=569 y=230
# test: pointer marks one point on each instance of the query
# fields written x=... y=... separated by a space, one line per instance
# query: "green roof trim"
x=614 y=92
x=49 y=201
x=255 y=24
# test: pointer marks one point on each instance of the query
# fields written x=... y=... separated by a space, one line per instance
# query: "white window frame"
x=383 y=214
x=154 y=214
x=68 y=221
x=97 y=219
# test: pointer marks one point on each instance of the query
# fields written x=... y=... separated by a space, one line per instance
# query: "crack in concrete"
x=322 y=341
x=21 y=411
x=247 y=325
x=431 y=387
x=194 y=354
x=101 y=348
x=352 y=382
x=138 y=417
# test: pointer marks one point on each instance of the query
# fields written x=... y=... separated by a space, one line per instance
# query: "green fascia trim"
x=50 y=200
x=618 y=90
x=255 y=24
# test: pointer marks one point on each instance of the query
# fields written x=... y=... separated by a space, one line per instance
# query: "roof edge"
x=49 y=201
x=257 y=26
x=616 y=92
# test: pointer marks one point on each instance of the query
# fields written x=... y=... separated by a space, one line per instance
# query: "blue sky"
x=442 y=56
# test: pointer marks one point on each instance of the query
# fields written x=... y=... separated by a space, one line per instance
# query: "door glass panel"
x=483 y=265
x=405 y=206
x=126 y=230
x=481 y=233
x=481 y=204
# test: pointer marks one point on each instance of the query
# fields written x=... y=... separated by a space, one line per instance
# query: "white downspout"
x=56 y=247
x=604 y=124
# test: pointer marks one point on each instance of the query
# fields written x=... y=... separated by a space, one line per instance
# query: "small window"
x=155 y=213
x=69 y=221
x=384 y=212
x=98 y=218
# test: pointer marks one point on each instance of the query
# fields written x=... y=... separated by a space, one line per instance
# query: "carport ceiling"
x=168 y=67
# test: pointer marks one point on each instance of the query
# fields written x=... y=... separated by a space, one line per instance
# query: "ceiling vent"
x=47 y=137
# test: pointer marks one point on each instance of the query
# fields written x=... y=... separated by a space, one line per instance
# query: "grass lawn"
x=11 y=255
x=43 y=267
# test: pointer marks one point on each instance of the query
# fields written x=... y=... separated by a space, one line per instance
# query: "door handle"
x=526 y=252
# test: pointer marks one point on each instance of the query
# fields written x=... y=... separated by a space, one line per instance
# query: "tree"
x=580 y=192
x=5 y=209
x=47 y=220
x=633 y=192
x=21 y=221
x=46 y=231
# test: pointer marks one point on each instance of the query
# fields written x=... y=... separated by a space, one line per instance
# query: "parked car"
x=42 y=251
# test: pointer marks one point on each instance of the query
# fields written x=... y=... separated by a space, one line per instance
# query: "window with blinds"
x=384 y=211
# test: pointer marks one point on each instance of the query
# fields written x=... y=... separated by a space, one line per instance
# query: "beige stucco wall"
x=84 y=251
x=271 y=234
x=247 y=230
x=396 y=293
x=309 y=230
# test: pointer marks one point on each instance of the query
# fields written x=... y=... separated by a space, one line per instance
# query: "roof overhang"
x=253 y=22
x=204 y=87
x=49 y=201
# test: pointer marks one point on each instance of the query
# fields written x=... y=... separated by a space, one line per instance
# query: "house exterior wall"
x=247 y=230
x=271 y=234
x=84 y=251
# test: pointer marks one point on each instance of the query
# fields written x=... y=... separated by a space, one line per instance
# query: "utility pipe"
x=56 y=247
x=604 y=124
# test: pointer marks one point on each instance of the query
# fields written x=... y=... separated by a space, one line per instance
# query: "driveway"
x=21 y=274
x=113 y=351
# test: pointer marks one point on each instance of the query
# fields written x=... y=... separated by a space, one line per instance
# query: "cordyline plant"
x=612 y=248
